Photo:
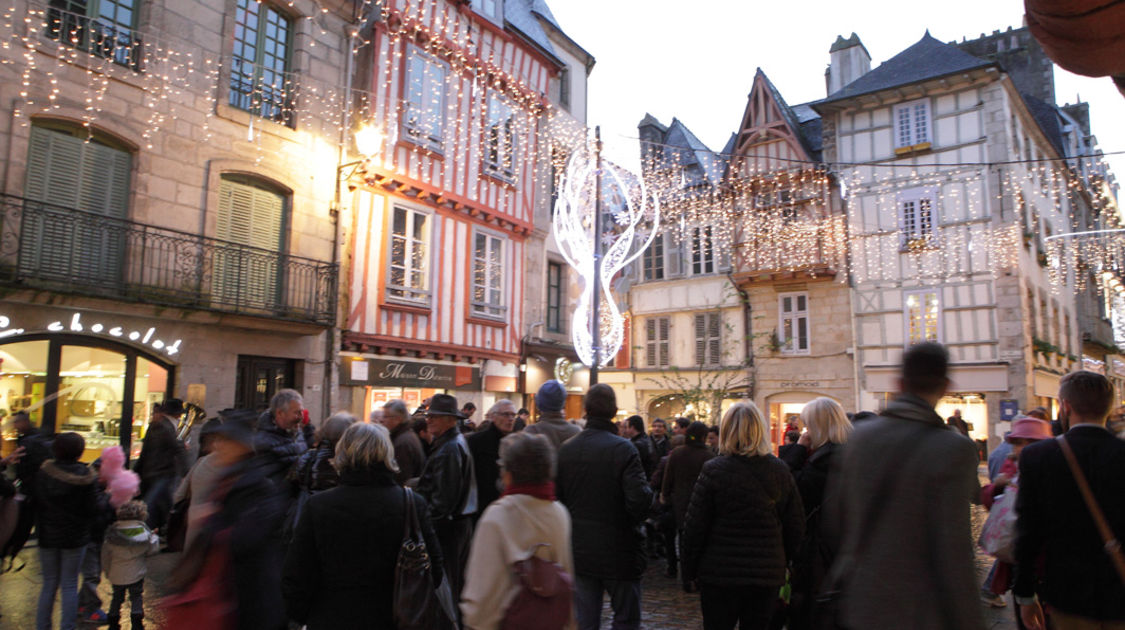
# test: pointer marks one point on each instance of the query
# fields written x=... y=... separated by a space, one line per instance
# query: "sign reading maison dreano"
x=403 y=373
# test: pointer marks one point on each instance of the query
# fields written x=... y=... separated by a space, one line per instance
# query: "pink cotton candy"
x=122 y=488
x=113 y=463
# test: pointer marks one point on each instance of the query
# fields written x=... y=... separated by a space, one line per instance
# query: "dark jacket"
x=815 y=553
x=602 y=483
x=680 y=473
x=743 y=524
x=660 y=447
x=447 y=482
x=485 y=448
x=644 y=448
x=409 y=453
x=279 y=450
x=252 y=511
x=1055 y=524
x=314 y=471
x=340 y=569
x=904 y=490
x=66 y=504
x=162 y=454
x=36 y=450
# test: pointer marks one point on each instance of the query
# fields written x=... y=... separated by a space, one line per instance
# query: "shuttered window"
x=86 y=181
x=657 y=331
x=793 y=333
x=708 y=338
x=250 y=221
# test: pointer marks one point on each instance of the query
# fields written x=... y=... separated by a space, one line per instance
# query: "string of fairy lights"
x=441 y=76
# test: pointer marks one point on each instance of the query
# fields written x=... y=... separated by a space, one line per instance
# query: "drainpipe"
x=331 y=343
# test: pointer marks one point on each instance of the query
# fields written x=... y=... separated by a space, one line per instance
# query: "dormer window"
x=491 y=9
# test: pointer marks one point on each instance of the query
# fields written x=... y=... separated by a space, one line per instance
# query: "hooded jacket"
x=553 y=425
x=124 y=549
x=506 y=533
x=66 y=499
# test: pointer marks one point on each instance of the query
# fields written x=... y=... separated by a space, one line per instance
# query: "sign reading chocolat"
x=396 y=373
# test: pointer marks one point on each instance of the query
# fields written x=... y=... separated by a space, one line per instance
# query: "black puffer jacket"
x=66 y=504
x=602 y=483
x=315 y=472
x=278 y=450
x=744 y=522
x=680 y=474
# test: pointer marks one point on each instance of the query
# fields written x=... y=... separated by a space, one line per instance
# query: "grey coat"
x=903 y=505
x=553 y=425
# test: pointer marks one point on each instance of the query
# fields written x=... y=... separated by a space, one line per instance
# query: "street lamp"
x=368 y=140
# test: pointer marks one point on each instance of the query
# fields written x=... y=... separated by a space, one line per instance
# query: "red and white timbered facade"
x=440 y=214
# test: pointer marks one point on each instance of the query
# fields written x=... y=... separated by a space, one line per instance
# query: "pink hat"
x=1029 y=428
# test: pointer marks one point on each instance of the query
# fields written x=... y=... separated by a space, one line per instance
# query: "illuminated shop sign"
x=143 y=336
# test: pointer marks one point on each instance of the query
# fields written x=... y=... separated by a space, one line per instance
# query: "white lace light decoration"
x=631 y=216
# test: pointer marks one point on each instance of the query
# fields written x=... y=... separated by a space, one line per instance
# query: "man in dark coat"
x=278 y=442
x=659 y=435
x=602 y=483
x=448 y=484
x=1078 y=581
x=485 y=448
x=36 y=450
x=161 y=461
x=635 y=432
x=409 y=454
x=680 y=473
x=905 y=488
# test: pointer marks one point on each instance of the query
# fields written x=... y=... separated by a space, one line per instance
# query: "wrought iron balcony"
x=769 y=251
x=56 y=248
x=68 y=23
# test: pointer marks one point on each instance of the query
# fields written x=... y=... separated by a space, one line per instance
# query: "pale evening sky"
x=695 y=59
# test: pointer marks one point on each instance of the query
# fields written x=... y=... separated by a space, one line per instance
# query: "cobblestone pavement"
x=664 y=604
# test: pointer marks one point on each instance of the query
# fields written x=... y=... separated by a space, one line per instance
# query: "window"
x=100 y=27
x=793 y=331
x=656 y=341
x=923 y=311
x=500 y=139
x=251 y=214
x=259 y=71
x=488 y=275
x=87 y=184
x=708 y=334
x=702 y=251
x=916 y=217
x=912 y=124
x=410 y=256
x=491 y=9
x=564 y=88
x=556 y=295
x=423 y=119
x=653 y=260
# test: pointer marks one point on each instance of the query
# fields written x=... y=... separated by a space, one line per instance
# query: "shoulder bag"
x=418 y=604
x=545 y=596
x=1112 y=545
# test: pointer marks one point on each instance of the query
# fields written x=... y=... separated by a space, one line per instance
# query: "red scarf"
x=545 y=490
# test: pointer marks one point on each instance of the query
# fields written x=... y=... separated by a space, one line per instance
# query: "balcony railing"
x=813 y=247
x=56 y=248
x=94 y=35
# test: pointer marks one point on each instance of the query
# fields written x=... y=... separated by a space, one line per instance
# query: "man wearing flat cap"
x=448 y=484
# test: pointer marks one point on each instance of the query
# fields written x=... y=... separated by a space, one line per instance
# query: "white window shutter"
x=650 y=342
x=665 y=341
x=714 y=338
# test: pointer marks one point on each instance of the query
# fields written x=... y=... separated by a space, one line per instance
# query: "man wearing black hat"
x=161 y=461
x=448 y=484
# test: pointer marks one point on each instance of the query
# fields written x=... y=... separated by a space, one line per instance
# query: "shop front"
x=86 y=375
x=784 y=410
x=380 y=379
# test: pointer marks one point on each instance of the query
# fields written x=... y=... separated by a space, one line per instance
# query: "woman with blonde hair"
x=826 y=429
x=743 y=525
x=340 y=569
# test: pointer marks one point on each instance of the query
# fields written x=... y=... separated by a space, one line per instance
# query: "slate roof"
x=1047 y=116
x=927 y=59
x=682 y=147
x=520 y=16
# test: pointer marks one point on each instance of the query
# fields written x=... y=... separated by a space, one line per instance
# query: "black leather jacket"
x=448 y=482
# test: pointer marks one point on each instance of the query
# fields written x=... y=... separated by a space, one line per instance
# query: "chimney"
x=849 y=61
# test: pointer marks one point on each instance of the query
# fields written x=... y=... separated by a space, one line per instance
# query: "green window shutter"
x=254 y=217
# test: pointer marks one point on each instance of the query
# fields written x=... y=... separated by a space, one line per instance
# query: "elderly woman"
x=810 y=459
x=743 y=525
x=340 y=570
x=525 y=520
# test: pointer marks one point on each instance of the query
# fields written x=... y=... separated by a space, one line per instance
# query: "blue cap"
x=551 y=396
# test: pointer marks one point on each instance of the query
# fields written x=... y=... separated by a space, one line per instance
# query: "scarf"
x=545 y=490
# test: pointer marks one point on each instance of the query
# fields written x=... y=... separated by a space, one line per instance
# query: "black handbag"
x=418 y=603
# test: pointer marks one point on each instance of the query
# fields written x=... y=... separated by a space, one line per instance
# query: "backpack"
x=544 y=600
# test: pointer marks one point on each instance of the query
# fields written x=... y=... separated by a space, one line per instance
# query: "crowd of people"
x=858 y=521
